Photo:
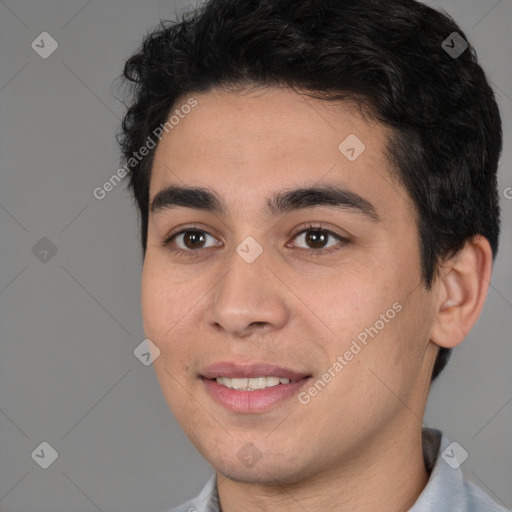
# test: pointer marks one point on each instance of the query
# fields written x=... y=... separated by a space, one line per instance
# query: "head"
x=264 y=95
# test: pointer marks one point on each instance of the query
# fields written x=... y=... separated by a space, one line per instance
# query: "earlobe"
x=462 y=284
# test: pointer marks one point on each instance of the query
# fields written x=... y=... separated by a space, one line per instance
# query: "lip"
x=256 y=401
x=236 y=370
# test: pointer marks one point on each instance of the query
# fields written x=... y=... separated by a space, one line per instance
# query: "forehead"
x=245 y=144
x=269 y=122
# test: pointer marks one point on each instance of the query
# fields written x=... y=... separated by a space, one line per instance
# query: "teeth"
x=257 y=383
x=238 y=383
x=253 y=383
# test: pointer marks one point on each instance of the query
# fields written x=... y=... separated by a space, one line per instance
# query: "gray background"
x=69 y=326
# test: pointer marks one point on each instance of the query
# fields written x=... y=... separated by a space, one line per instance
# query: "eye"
x=315 y=239
x=188 y=241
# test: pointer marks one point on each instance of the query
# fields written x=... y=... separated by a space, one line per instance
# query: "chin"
x=248 y=476
x=263 y=472
x=271 y=476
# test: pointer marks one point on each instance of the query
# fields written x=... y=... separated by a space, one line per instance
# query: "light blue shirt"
x=446 y=489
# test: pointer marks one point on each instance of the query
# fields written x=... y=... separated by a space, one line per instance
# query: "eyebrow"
x=206 y=199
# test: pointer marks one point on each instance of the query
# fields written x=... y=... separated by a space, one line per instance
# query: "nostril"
x=258 y=324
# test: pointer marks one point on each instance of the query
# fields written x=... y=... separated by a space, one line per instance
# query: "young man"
x=319 y=215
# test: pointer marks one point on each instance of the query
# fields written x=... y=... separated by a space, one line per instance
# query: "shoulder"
x=447 y=487
x=206 y=501
x=186 y=507
x=480 y=501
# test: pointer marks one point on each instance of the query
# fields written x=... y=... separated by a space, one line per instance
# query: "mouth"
x=251 y=388
x=253 y=383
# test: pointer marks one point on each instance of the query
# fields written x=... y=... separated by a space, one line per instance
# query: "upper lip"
x=238 y=370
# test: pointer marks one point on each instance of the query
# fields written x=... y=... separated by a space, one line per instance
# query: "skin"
x=357 y=444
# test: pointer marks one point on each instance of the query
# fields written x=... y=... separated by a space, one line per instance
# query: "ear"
x=462 y=284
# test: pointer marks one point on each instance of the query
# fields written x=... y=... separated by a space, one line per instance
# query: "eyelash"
x=193 y=253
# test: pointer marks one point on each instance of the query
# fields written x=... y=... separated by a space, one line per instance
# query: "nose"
x=249 y=299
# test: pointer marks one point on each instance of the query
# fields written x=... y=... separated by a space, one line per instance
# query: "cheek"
x=152 y=298
x=169 y=311
x=352 y=302
x=164 y=301
x=373 y=315
x=162 y=312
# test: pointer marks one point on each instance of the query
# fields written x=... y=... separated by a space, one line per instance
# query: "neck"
x=386 y=477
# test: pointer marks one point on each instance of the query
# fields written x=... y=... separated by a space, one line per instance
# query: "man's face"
x=334 y=301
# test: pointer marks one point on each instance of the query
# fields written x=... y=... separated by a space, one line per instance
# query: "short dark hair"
x=386 y=56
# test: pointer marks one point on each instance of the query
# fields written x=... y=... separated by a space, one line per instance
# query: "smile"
x=251 y=384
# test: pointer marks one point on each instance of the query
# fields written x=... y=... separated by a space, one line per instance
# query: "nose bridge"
x=248 y=296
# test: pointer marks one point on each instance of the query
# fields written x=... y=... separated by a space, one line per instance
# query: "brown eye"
x=316 y=239
x=190 y=242
x=193 y=239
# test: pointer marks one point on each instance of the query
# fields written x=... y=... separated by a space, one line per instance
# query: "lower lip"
x=258 y=400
